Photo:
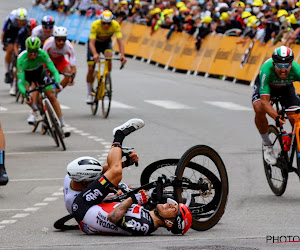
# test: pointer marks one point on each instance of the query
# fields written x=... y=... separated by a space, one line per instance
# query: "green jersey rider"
x=31 y=72
x=275 y=78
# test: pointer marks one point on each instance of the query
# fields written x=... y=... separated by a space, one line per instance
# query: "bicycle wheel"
x=200 y=167
x=277 y=176
x=156 y=169
x=94 y=105
x=106 y=100
x=57 y=129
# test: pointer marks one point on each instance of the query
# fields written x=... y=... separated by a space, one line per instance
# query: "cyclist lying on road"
x=83 y=171
x=276 y=78
x=31 y=71
x=127 y=217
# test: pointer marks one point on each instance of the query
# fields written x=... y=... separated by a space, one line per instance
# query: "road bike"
x=50 y=123
x=277 y=175
x=103 y=91
x=198 y=179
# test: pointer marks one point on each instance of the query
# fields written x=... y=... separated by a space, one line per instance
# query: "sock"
x=6 y=66
x=2 y=159
x=34 y=106
x=118 y=140
x=62 y=121
x=89 y=86
x=266 y=139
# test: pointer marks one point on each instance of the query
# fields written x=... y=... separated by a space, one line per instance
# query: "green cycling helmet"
x=32 y=43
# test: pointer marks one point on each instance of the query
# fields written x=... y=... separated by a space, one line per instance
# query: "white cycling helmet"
x=60 y=32
x=106 y=16
x=84 y=168
x=21 y=14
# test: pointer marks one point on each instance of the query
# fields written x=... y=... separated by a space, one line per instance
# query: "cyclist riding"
x=100 y=41
x=31 y=71
x=58 y=47
x=45 y=30
x=127 y=217
x=13 y=23
x=276 y=78
x=19 y=46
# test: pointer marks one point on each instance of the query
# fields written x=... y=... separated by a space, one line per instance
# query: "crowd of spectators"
x=275 y=20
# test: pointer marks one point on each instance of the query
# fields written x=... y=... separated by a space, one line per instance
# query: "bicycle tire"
x=106 y=100
x=95 y=104
x=55 y=123
x=211 y=206
x=155 y=167
x=60 y=224
x=277 y=176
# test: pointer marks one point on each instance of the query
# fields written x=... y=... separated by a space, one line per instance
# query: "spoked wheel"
x=57 y=129
x=205 y=183
x=94 y=105
x=156 y=169
x=277 y=175
x=51 y=131
x=106 y=101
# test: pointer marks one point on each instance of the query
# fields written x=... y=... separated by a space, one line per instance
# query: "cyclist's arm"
x=265 y=100
x=50 y=65
x=92 y=45
x=121 y=46
x=21 y=76
x=16 y=48
x=71 y=53
x=117 y=214
x=92 y=38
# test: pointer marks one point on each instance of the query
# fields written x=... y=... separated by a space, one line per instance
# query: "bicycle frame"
x=102 y=71
x=44 y=101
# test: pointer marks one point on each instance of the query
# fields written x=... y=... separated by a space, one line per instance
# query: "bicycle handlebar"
x=70 y=75
x=40 y=88
x=126 y=154
x=112 y=59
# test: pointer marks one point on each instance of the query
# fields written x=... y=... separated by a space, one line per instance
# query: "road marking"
x=115 y=104
x=31 y=209
x=18 y=132
x=53 y=152
x=8 y=221
x=50 y=199
x=11 y=209
x=41 y=204
x=2 y=108
x=58 y=194
x=168 y=104
x=229 y=105
x=64 y=107
x=19 y=215
x=44 y=179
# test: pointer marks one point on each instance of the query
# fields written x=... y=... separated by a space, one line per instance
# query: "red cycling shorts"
x=60 y=63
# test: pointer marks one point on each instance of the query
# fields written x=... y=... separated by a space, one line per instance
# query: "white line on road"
x=229 y=105
x=2 y=108
x=8 y=221
x=58 y=194
x=41 y=204
x=17 y=132
x=168 y=104
x=50 y=199
x=42 y=179
x=64 y=107
x=31 y=209
x=115 y=104
x=53 y=152
x=19 y=215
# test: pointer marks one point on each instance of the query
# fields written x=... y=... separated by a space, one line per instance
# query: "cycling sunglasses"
x=109 y=23
x=61 y=39
x=48 y=27
x=283 y=65
x=32 y=51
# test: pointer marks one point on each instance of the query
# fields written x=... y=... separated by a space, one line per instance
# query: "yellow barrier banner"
x=148 y=44
x=164 y=48
x=251 y=68
x=182 y=39
x=125 y=29
x=188 y=52
x=135 y=38
x=209 y=53
x=228 y=57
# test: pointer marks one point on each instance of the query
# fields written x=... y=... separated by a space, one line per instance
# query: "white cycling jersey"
x=39 y=32
x=55 y=53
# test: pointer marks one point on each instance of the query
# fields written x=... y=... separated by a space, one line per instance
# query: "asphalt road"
x=179 y=111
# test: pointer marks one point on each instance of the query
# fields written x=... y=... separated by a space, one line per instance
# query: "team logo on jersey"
x=74 y=207
x=92 y=195
x=102 y=181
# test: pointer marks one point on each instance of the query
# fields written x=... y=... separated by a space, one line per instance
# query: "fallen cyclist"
x=127 y=217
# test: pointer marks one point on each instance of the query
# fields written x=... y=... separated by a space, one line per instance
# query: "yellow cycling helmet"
x=252 y=21
x=245 y=14
x=206 y=19
x=180 y=4
x=258 y=3
x=281 y=13
x=292 y=19
x=224 y=16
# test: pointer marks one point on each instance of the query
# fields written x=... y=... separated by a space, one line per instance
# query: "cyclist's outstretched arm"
x=50 y=65
x=122 y=50
x=265 y=101
x=118 y=213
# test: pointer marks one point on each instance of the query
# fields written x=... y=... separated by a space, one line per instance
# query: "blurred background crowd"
x=268 y=20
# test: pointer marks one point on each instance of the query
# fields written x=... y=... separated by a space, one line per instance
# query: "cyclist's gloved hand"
x=59 y=88
x=140 y=198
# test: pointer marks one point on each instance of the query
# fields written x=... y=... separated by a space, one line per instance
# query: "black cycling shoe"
x=8 y=78
x=3 y=177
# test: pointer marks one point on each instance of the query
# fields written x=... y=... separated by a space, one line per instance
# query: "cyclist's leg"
x=7 y=60
x=90 y=75
x=3 y=174
x=108 y=54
